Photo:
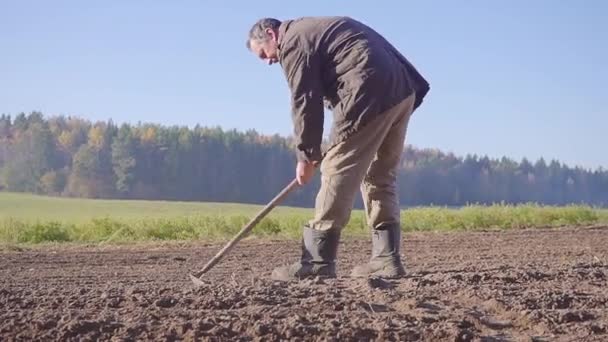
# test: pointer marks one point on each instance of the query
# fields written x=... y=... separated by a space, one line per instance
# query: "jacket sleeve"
x=302 y=70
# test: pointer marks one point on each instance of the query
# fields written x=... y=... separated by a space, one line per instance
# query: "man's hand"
x=304 y=172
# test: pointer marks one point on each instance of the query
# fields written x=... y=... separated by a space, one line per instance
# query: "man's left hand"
x=304 y=172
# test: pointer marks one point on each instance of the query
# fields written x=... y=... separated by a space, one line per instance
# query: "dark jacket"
x=349 y=67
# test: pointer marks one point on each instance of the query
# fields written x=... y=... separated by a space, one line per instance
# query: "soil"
x=524 y=285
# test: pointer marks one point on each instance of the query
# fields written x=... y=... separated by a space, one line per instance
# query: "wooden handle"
x=278 y=198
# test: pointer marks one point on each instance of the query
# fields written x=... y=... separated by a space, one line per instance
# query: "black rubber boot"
x=319 y=250
x=386 y=259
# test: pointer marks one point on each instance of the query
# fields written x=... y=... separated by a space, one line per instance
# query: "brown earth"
x=526 y=285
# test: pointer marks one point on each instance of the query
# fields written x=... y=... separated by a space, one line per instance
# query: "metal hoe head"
x=196 y=281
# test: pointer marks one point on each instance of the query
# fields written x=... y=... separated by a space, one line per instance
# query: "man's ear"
x=272 y=33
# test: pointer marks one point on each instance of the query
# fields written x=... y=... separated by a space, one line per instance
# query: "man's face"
x=266 y=50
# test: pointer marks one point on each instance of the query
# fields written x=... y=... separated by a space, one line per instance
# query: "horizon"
x=513 y=80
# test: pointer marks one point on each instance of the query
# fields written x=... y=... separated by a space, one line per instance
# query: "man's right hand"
x=304 y=172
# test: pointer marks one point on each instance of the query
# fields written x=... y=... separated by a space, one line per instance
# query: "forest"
x=73 y=157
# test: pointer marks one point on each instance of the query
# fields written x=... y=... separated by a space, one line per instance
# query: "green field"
x=26 y=218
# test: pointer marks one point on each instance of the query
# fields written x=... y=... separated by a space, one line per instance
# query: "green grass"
x=602 y=215
x=34 y=219
x=31 y=208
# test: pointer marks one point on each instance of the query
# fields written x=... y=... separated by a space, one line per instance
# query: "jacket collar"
x=282 y=31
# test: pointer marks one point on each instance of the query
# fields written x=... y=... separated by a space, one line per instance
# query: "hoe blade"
x=196 y=281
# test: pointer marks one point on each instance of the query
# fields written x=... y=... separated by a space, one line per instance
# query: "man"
x=372 y=90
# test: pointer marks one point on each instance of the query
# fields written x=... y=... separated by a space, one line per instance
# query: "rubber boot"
x=386 y=259
x=319 y=250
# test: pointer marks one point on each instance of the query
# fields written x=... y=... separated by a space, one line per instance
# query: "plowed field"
x=532 y=285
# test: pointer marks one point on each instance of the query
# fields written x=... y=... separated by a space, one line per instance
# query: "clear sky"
x=508 y=78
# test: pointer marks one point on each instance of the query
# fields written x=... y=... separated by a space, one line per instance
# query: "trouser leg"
x=379 y=190
x=379 y=187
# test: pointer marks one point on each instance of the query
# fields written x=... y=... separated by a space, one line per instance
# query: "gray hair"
x=258 y=30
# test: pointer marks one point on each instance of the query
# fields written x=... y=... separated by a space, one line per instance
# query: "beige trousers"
x=367 y=161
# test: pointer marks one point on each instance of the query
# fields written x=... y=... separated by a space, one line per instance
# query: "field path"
x=530 y=285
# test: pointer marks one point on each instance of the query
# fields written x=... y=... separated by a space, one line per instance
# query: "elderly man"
x=372 y=90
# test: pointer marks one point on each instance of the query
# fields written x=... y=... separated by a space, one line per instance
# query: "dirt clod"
x=379 y=283
x=165 y=302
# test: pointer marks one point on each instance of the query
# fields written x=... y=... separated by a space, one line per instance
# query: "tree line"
x=71 y=156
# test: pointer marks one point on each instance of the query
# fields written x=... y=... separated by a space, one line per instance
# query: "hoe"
x=196 y=277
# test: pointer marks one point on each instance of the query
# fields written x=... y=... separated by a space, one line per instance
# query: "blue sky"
x=508 y=78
